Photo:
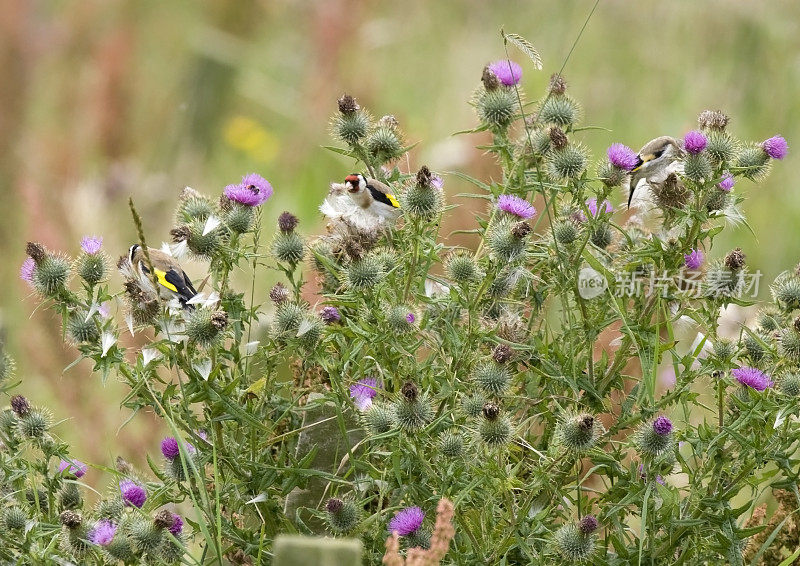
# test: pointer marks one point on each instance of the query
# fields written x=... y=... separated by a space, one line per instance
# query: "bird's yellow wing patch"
x=162 y=280
x=393 y=200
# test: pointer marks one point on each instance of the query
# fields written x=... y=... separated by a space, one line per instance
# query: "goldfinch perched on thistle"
x=372 y=195
x=172 y=281
x=655 y=161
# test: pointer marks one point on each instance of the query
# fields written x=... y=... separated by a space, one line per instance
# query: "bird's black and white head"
x=658 y=152
x=132 y=252
x=355 y=183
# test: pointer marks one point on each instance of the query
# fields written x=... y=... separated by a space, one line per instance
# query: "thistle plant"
x=517 y=379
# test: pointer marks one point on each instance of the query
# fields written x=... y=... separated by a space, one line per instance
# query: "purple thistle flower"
x=410 y=318
x=330 y=315
x=363 y=391
x=26 y=270
x=103 y=533
x=694 y=259
x=516 y=206
x=177 y=525
x=91 y=244
x=662 y=426
x=406 y=521
x=694 y=142
x=74 y=467
x=170 y=448
x=591 y=204
x=620 y=155
x=727 y=182
x=104 y=309
x=588 y=524
x=776 y=147
x=507 y=72
x=254 y=190
x=132 y=493
x=437 y=182
x=751 y=377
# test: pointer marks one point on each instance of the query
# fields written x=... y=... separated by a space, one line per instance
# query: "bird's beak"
x=639 y=163
x=351 y=182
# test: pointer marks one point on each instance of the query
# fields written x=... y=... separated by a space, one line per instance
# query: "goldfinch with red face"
x=172 y=281
x=372 y=196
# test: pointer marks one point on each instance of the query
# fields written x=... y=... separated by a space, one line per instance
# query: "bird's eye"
x=659 y=153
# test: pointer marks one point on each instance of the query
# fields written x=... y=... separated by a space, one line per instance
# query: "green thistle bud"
x=602 y=236
x=769 y=319
x=205 y=327
x=724 y=349
x=721 y=281
x=610 y=175
x=379 y=419
x=174 y=468
x=754 y=162
x=717 y=200
x=14 y=519
x=343 y=516
x=567 y=163
x=413 y=410
x=288 y=248
x=74 y=534
x=92 y=268
x=351 y=127
x=786 y=291
x=400 y=319
x=423 y=201
x=697 y=167
x=387 y=259
x=51 y=275
x=70 y=497
x=654 y=437
x=193 y=206
x=82 y=330
x=473 y=405
x=238 y=217
x=384 y=144
x=364 y=273
x=790 y=384
x=321 y=255
x=201 y=243
x=496 y=108
x=789 y=344
x=421 y=538
x=7 y=366
x=565 y=232
x=8 y=425
x=121 y=548
x=35 y=424
x=495 y=429
x=493 y=378
x=451 y=444
x=572 y=544
x=171 y=551
x=559 y=110
x=110 y=509
x=288 y=317
x=753 y=347
x=310 y=331
x=540 y=141
x=146 y=536
x=578 y=433
x=39 y=496
x=503 y=242
x=721 y=147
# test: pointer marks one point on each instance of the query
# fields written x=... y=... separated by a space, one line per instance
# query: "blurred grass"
x=100 y=100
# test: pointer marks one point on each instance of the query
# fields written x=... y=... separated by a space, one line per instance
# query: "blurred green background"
x=105 y=99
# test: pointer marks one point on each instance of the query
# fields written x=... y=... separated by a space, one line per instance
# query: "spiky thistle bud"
x=754 y=347
x=412 y=410
x=769 y=319
x=578 y=433
x=288 y=247
x=654 y=437
x=721 y=147
x=287 y=222
x=572 y=544
x=146 y=536
x=400 y=319
x=287 y=318
x=790 y=384
x=558 y=85
x=558 y=138
x=567 y=163
x=502 y=353
x=753 y=162
x=504 y=243
x=451 y=444
x=384 y=143
x=491 y=377
x=489 y=79
x=379 y=418
x=206 y=327
x=420 y=538
x=7 y=366
x=472 y=405
x=193 y=206
x=92 y=264
x=364 y=273
x=34 y=424
x=735 y=260
x=422 y=199
x=110 y=509
x=496 y=108
x=611 y=175
x=14 y=519
x=237 y=217
x=352 y=123
x=602 y=236
x=20 y=405
x=540 y=143
x=81 y=328
x=343 y=516
x=565 y=231
x=712 y=120
x=495 y=429
x=462 y=268
x=559 y=110
x=51 y=273
x=786 y=291
x=697 y=167
x=789 y=344
x=69 y=497
x=724 y=349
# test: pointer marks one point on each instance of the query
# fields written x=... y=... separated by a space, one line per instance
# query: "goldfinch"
x=654 y=161
x=373 y=196
x=172 y=281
